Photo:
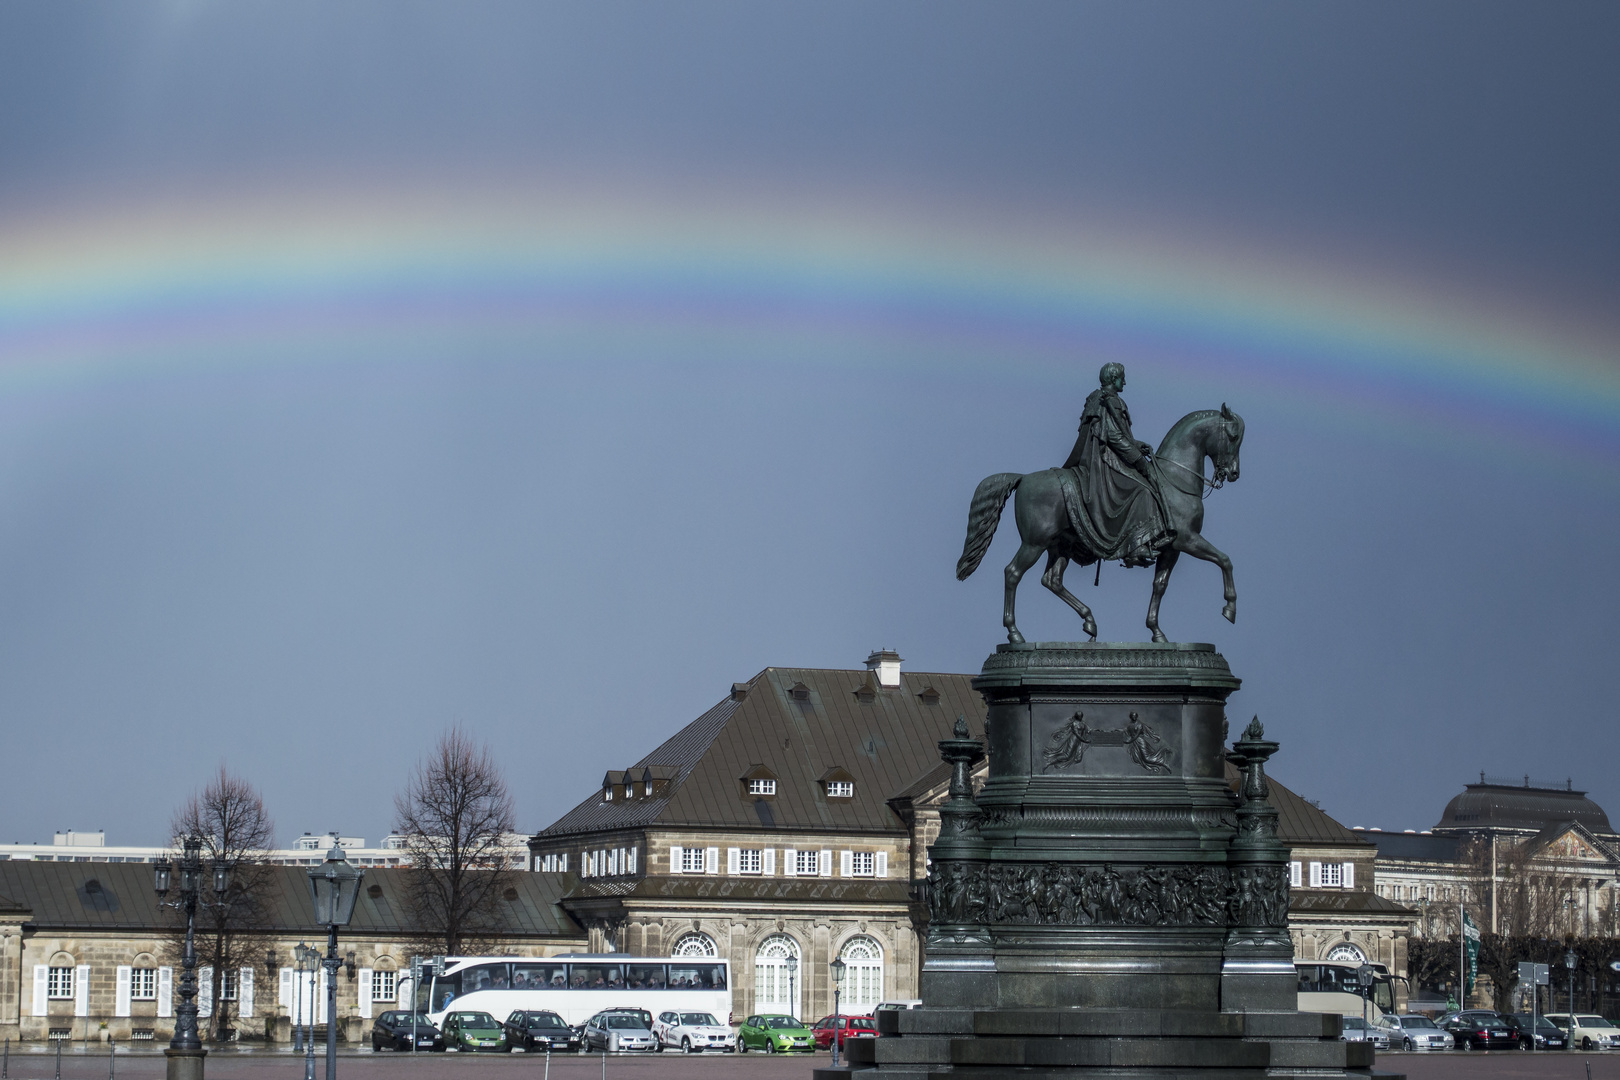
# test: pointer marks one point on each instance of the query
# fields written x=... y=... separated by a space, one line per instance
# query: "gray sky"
x=308 y=570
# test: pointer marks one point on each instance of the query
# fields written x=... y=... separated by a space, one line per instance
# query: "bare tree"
x=229 y=815
x=456 y=815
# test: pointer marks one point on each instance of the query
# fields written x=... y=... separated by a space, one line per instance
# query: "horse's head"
x=1225 y=450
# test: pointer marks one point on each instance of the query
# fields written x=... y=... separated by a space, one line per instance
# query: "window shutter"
x=824 y=864
x=121 y=990
x=711 y=861
x=1316 y=875
x=790 y=862
x=365 y=993
x=244 y=993
x=883 y=864
x=674 y=859
x=631 y=855
x=284 y=993
x=770 y=862
x=846 y=863
x=1294 y=877
x=41 y=972
x=732 y=855
x=205 y=991
x=165 y=1007
x=402 y=990
x=81 y=990
x=1349 y=875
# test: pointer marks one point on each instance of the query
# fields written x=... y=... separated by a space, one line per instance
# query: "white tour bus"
x=578 y=986
x=1333 y=986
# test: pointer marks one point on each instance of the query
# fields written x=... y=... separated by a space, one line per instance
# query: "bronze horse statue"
x=1043 y=517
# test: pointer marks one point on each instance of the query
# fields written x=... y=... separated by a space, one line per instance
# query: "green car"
x=473 y=1031
x=775 y=1035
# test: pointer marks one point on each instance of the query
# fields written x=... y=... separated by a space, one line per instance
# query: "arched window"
x=1344 y=952
x=776 y=976
x=695 y=944
x=863 y=975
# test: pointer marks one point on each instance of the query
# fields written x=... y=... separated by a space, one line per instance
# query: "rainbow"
x=327 y=274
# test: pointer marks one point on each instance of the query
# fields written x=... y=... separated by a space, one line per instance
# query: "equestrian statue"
x=1115 y=498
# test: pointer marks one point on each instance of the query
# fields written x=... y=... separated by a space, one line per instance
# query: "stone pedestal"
x=184 y=1064
x=1106 y=906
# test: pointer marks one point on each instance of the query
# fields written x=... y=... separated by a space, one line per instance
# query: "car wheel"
x=1586 y=1044
x=742 y=1046
x=1407 y=1045
x=770 y=1046
x=686 y=1045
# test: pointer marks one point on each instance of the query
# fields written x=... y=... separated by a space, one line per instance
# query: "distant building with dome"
x=1526 y=857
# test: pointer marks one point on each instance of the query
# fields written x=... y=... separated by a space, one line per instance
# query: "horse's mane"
x=1188 y=421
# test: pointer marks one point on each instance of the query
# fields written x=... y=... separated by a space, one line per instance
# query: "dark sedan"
x=1481 y=1029
x=393 y=1031
x=536 y=1029
x=1548 y=1035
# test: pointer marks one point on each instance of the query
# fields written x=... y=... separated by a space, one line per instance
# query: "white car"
x=693 y=1032
x=1417 y=1033
x=1591 y=1032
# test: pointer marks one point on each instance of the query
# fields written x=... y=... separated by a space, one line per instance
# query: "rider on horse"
x=1115 y=507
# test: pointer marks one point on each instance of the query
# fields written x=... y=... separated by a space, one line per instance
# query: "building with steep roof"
x=86 y=951
x=790 y=825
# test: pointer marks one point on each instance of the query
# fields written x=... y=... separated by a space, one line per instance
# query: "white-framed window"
x=383 y=985
x=1295 y=877
x=695 y=943
x=805 y=864
x=863 y=973
x=1332 y=875
x=229 y=982
x=1430 y=892
x=59 y=984
x=750 y=860
x=863 y=863
x=143 y=984
x=840 y=789
x=692 y=860
x=762 y=787
x=607 y=793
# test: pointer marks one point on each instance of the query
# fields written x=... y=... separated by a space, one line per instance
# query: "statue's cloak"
x=1114 y=509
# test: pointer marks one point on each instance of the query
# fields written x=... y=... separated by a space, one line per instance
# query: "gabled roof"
x=119 y=896
x=1553 y=833
x=885 y=744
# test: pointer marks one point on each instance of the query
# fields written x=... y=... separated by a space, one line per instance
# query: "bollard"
x=112 y=1048
x=59 y=1043
x=5 y=1062
x=548 y=1062
x=604 y=1063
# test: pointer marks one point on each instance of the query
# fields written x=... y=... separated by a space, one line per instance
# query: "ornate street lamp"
x=1569 y=966
x=793 y=979
x=838 y=984
x=334 y=886
x=185 y=1053
x=308 y=962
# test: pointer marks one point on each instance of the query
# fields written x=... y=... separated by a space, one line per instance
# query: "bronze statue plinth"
x=1106 y=905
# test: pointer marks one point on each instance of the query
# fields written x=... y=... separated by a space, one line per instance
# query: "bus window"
x=446 y=988
x=697 y=976
x=644 y=976
x=595 y=976
x=1383 y=994
x=484 y=977
x=539 y=976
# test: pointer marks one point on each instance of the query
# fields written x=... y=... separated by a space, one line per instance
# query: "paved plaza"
x=36 y=1064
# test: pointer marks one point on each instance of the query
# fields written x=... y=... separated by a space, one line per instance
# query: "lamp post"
x=185 y=1053
x=309 y=961
x=793 y=980
x=838 y=984
x=333 y=887
x=1569 y=966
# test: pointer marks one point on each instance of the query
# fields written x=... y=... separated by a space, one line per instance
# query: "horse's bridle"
x=1212 y=485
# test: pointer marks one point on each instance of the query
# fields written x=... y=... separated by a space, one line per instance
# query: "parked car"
x=539 y=1029
x=847 y=1027
x=475 y=1031
x=1417 y=1033
x=693 y=1032
x=1356 y=1029
x=620 y=1031
x=1591 y=1032
x=1480 y=1029
x=897 y=1005
x=775 y=1034
x=1547 y=1035
x=392 y=1031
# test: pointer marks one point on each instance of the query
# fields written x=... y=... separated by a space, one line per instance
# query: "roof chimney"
x=886 y=662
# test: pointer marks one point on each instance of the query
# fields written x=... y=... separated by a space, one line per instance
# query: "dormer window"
x=607 y=794
x=840 y=789
x=757 y=783
x=762 y=787
x=799 y=692
x=929 y=696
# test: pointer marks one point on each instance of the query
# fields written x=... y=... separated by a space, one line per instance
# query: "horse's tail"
x=983 y=517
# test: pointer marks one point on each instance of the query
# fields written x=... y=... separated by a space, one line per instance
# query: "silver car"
x=1417 y=1033
x=1358 y=1030
x=617 y=1032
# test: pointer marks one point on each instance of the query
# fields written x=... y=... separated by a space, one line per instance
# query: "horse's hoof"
x=1159 y=638
x=1014 y=637
x=1091 y=628
x=1230 y=611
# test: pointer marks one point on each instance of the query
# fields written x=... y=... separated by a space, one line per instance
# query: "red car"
x=848 y=1027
